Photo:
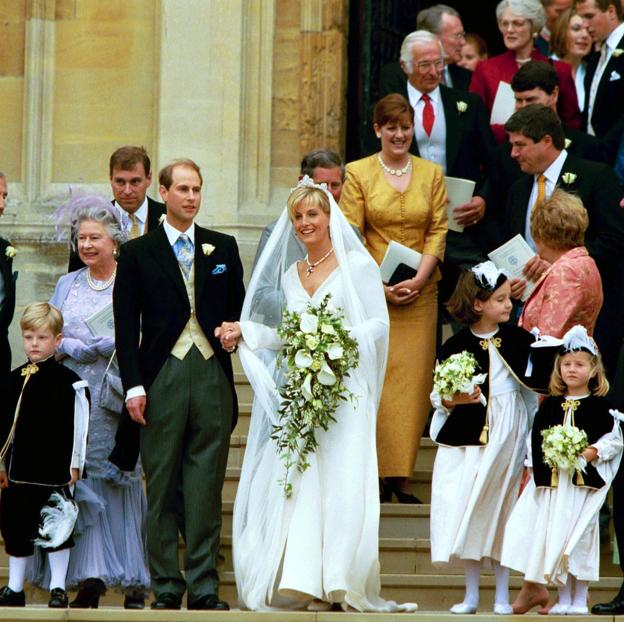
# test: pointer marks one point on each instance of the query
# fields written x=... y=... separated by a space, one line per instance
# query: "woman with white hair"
x=110 y=543
x=519 y=21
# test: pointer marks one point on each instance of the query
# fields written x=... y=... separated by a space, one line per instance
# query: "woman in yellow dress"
x=393 y=195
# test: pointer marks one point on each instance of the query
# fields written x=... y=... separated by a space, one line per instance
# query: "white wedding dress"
x=322 y=542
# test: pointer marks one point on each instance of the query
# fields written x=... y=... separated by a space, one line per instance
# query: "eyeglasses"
x=427 y=65
x=515 y=24
x=458 y=36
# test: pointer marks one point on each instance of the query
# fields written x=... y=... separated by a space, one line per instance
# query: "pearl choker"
x=100 y=286
x=311 y=266
x=395 y=171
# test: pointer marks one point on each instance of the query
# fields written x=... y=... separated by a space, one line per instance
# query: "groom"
x=174 y=286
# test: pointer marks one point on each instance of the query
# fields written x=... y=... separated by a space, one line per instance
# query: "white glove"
x=78 y=350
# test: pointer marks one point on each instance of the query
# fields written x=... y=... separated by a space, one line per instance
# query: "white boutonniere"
x=10 y=252
x=161 y=219
x=618 y=52
x=207 y=249
x=566 y=143
x=462 y=106
x=568 y=178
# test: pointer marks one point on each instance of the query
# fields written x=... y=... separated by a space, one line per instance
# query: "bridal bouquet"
x=457 y=375
x=561 y=446
x=318 y=354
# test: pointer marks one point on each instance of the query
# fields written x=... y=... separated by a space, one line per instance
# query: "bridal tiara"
x=308 y=182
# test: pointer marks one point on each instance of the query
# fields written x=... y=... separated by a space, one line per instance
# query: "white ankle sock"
x=565 y=593
x=501 y=597
x=580 y=593
x=472 y=570
x=59 y=561
x=17 y=572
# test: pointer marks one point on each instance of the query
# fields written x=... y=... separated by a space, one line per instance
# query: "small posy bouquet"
x=318 y=353
x=561 y=446
x=457 y=375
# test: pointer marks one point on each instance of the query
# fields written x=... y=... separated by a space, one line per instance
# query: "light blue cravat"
x=184 y=252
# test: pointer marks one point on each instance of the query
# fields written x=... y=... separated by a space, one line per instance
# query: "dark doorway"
x=376 y=30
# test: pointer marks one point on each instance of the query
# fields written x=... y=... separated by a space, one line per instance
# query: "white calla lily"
x=306 y=387
x=326 y=376
x=309 y=323
x=334 y=351
x=303 y=359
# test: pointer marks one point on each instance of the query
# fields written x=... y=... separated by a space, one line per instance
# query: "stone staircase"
x=407 y=572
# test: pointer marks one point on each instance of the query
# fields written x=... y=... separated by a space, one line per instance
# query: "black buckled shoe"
x=209 y=602
x=58 y=599
x=612 y=608
x=167 y=600
x=9 y=598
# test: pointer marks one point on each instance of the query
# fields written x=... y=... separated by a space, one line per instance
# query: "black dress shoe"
x=167 y=600
x=9 y=598
x=88 y=596
x=612 y=608
x=211 y=601
x=133 y=601
x=58 y=599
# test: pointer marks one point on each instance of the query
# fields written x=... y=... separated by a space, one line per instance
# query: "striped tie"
x=183 y=249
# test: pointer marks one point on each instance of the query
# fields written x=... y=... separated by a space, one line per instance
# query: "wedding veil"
x=264 y=515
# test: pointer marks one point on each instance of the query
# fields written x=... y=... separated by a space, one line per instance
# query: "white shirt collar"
x=415 y=95
x=173 y=234
x=554 y=170
x=614 y=38
x=141 y=213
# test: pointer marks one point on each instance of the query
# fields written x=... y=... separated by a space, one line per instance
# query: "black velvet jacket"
x=465 y=423
x=591 y=415
x=42 y=448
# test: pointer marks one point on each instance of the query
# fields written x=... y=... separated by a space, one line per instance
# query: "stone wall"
x=245 y=87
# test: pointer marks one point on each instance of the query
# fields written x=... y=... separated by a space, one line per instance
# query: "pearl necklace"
x=98 y=287
x=311 y=266
x=395 y=171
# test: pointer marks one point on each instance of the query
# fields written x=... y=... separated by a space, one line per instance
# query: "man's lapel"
x=614 y=67
x=163 y=254
x=521 y=204
x=453 y=126
x=414 y=146
x=204 y=264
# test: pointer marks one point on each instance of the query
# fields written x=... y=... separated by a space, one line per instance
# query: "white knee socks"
x=580 y=593
x=472 y=571
x=59 y=561
x=17 y=572
x=501 y=573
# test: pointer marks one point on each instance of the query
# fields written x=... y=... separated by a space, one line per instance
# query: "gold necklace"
x=395 y=171
x=311 y=266
x=98 y=287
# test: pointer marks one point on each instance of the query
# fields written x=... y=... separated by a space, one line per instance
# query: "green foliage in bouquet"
x=456 y=374
x=561 y=446
x=318 y=354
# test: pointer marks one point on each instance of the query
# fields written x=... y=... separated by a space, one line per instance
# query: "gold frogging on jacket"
x=484 y=343
x=568 y=405
x=27 y=372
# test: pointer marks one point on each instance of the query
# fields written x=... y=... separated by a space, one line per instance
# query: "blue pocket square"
x=220 y=268
x=614 y=76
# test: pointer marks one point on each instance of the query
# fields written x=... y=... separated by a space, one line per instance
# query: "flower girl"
x=552 y=535
x=478 y=466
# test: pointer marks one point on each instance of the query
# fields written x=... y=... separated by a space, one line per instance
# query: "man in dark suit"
x=451 y=128
x=130 y=176
x=604 y=80
x=538 y=144
x=7 y=289
x=553 y=10
x=445 y=22
x=173 y=288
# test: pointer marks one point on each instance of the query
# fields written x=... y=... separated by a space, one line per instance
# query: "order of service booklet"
x=459 y=192
x=399 y=263
x=102 y=323
x=511 y=257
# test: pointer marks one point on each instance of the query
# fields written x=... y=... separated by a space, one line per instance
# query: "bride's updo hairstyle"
x=308 y=195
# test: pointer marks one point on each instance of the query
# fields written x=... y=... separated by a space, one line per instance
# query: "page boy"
x=43 y=433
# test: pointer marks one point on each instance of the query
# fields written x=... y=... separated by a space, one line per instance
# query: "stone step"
x=420 y=484
x=431 y=592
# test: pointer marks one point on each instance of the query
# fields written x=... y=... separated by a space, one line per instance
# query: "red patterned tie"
x=428 y=116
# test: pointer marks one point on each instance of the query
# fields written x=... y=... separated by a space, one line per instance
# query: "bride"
x=318 y=547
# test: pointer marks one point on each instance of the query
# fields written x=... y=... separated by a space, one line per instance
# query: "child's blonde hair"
x=39 y=315
x=598 y=383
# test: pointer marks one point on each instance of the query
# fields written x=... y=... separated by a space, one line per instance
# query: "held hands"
x=470 y=213
x=463 y=398
x=589 y=454
x=4 y=480
x=136 y=409
x=75 y=475
x=229 y=334
x=404 y=292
